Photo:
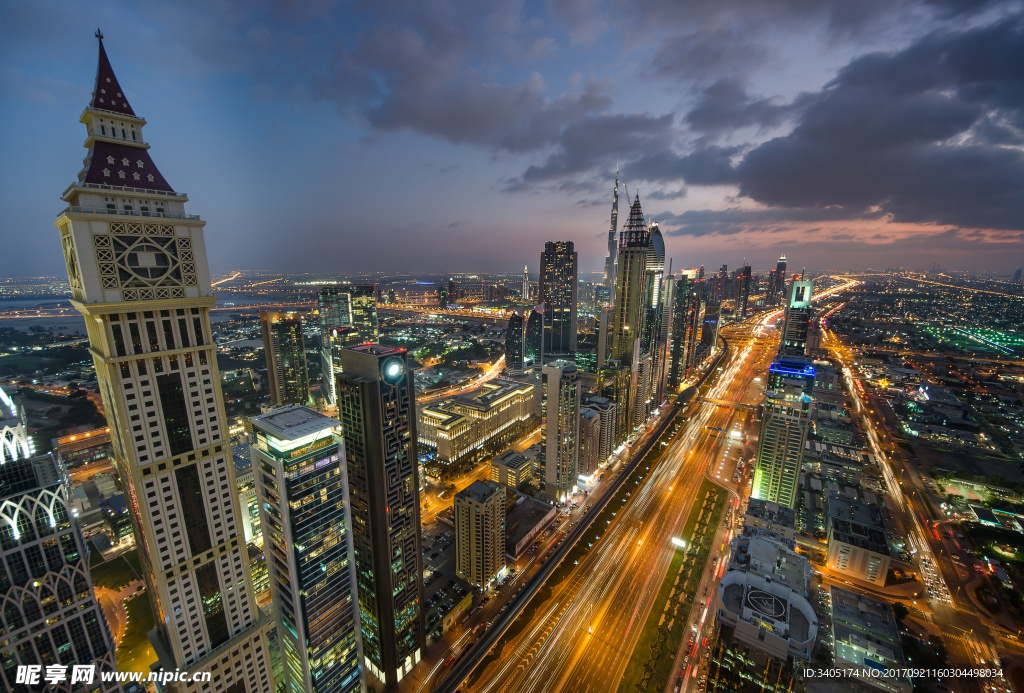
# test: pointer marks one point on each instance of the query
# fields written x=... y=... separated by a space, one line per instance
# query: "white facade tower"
x=137 y=267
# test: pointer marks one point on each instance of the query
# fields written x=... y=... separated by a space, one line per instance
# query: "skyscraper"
x=709 y=332
x=138 y=273
x=743 y=289
x=515 y=345
x=526 y=283
x=631 y=286
x=559 y=285
x=348 y=316
x=682 y=321
x=798 y=318
x=50 y=615
x=560 y=438
x=480 y=533
x=304 y=507
x=377 y=409
x=285 y=349
x=784 y=424
x=590 y=442
x=611 y=262
x=780 y=281
x=533 y=345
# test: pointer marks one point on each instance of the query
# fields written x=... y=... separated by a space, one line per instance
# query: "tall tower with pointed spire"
x=526 y=282
x=138 y=272
x=611 y=262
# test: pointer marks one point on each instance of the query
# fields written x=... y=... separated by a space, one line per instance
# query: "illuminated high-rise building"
x=797 y=319
x=743 y=289
x=631 y=286
x=533 y=341
x=709 y=331
x=784 y=425
x=687 y=300
x=560 y=437
x=525 y=294
x=611 y=261
x=778 y=290
x=285 y=349
x=559 y=284
x=138 y=272
x=515 y=345
x=377 y=410
x=50 y=615
x=304 y=506
x=631 y=305
x=348 y=316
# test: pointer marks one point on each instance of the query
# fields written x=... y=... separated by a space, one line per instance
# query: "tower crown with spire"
x=118 y=156
x=635 y=234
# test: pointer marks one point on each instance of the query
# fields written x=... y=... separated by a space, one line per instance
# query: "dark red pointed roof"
x=107 y=167
x=108 y=95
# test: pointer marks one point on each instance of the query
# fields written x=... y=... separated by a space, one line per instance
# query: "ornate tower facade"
x=611 y=261
x=137 y=267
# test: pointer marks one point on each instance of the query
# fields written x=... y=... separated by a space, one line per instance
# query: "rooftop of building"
x=771 y=512
x=600 y=403
x=511 y=458
x=480 y=491
x=770 y=558
x=524 y=517
x=377 y=349
x=292 y=422
x=777 y=607
x=857 y=523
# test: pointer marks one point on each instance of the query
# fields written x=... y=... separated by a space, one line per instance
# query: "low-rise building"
x=764 y=514
x=525 y=522
x=511 y=468
x=767 y=615
x=856 y=540
x=115 y=514
x=865 y=639
x=460 y=430
x=82 y=448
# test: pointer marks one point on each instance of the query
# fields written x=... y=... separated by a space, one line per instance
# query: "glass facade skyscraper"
x=559 y=287
x=285 y=349
x=302 y=484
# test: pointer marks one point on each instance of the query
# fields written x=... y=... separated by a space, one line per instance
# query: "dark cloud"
x=725 y=105
x=710 y=54
x=894 y=132
x=705 y=165
x=666 y=194
x=727 y=222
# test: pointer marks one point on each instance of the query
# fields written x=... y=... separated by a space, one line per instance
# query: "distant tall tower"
x=304 y=505
x=50 y=598
x=515 y=344
x=798 y=318
x=138 y=272
x=559 y=284
x=526 y=282
x=1018 y=273
x=784 y=426
x=377 y=409
x=285 y=349
x=533 y=340
x=780 y=280
x=743 y=289
x=611 y=262
x=560 y=441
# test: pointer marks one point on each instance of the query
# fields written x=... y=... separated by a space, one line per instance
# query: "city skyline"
x=462 y=137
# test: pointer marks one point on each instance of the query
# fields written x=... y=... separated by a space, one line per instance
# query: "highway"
x=583 y=636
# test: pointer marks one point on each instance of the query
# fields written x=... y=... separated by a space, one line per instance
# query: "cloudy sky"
x=459 y=135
